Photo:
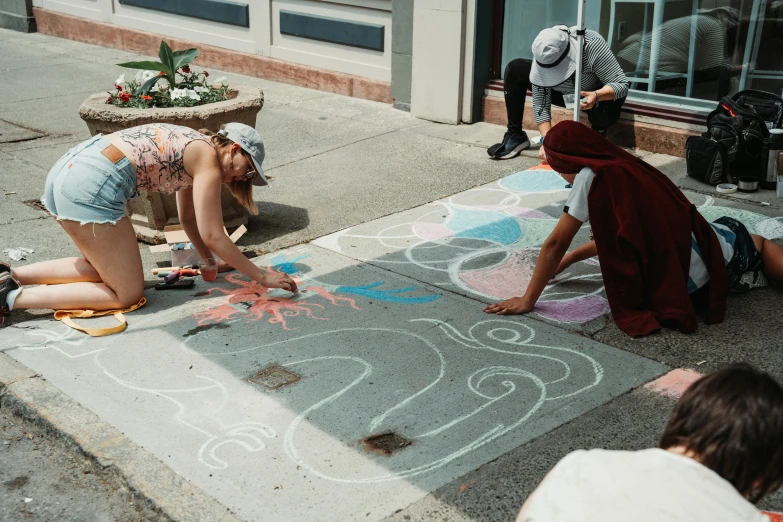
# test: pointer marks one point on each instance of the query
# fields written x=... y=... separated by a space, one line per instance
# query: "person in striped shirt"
x=551 y=75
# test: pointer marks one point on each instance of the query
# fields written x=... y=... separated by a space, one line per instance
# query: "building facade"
x=444 y=59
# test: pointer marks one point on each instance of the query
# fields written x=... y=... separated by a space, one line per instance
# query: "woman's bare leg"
x=113 y=253
x=57 y=271
x=772 y=255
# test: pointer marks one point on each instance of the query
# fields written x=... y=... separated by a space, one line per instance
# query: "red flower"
x=186 y=69
x=109 y=99
x=118 y=86
x=161 y=73
x=147 y=98
x=124 y=96
x=206 y=74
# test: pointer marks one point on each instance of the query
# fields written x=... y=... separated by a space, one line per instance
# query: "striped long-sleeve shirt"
x=600 y=68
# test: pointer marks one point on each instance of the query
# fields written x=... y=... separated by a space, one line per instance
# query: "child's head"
x=732 y=422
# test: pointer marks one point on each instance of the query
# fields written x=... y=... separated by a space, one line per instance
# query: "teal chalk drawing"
x=390 y=296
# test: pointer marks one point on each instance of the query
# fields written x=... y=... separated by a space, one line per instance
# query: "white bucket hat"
x=554 y=56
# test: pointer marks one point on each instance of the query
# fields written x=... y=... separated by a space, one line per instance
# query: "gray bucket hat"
x=554 y=56
x=250 y=140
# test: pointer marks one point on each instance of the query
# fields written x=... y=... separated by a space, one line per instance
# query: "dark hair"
x=732 y=422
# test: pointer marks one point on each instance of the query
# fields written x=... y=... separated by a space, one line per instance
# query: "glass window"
x=703 y=49
x=670 y=49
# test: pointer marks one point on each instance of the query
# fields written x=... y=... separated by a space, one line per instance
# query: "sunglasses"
x=251 y=171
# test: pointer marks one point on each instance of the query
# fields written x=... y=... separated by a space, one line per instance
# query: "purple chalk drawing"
x=578 y=310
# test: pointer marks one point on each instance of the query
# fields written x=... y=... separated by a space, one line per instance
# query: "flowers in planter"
x=167 y=83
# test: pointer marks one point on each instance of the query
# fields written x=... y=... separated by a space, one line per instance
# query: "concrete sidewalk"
x=229 y=403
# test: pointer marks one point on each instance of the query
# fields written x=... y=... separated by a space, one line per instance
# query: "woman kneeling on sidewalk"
x=658 y=255
x=87 y=189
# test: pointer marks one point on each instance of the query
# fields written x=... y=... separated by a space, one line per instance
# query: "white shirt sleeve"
x=576 y=204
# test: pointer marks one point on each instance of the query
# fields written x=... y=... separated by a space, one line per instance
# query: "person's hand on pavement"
x=542 y=154
x=515 y=305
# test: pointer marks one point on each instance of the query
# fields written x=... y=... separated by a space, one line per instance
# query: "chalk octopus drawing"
x=252 y=301
x=497 y=399
x=484 y=242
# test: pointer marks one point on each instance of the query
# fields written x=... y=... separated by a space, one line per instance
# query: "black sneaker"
x=7 y=284
x=602 y=132
x=515 y=144
x=497 y=146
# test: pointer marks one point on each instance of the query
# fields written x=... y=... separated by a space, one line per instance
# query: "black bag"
x=767 y=105
x=706 y=160
x=743 y=131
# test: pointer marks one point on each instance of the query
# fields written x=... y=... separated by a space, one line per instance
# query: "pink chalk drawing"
x=505 y=280
x=432 y=231
x=252 y=301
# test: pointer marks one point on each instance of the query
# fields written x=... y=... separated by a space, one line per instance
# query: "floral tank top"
x=157 y=154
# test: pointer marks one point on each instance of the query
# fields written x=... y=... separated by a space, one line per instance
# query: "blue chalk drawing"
x=533 y=181
x=285 y=265
x=387 y=295
x=492 y=226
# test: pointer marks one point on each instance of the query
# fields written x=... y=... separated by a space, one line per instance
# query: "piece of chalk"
x=181 y=246
x=169 y=269
x=174 y=246
x=163 y=274
x=172 y=276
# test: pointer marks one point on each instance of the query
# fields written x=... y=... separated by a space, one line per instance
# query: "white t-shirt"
x=651 y=485
x=576 y=204
x=698 y=276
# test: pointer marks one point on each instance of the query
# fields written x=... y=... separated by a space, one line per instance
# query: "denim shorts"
x=85 y=186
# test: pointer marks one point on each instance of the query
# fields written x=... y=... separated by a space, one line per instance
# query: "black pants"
x=517 y=82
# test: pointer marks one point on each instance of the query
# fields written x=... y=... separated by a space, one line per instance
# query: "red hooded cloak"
x=642 y=226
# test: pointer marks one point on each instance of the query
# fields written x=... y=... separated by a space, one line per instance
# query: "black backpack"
x=707 y=160
x=737 y=137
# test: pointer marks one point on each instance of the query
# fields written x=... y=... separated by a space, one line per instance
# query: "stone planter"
x=152 y=211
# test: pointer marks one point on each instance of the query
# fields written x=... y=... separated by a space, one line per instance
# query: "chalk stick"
x=172 y=276
x=156 y=271
x=164 y=274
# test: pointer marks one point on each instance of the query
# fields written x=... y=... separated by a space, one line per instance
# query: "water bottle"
x=774 y=159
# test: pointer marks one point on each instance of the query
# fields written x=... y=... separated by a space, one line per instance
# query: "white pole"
x=580 y=24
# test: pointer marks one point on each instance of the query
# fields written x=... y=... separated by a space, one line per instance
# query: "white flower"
x=221 y=80
x=200 y=88
x=177 y=94
x=143 y=76
x=184 y=93
x=121 y=79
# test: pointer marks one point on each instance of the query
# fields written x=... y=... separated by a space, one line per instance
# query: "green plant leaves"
x=145 y=88
x=183 y=58
x=150 y=66
x=167 y=58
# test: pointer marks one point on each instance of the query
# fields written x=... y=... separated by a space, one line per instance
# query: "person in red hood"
x=654 y=248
